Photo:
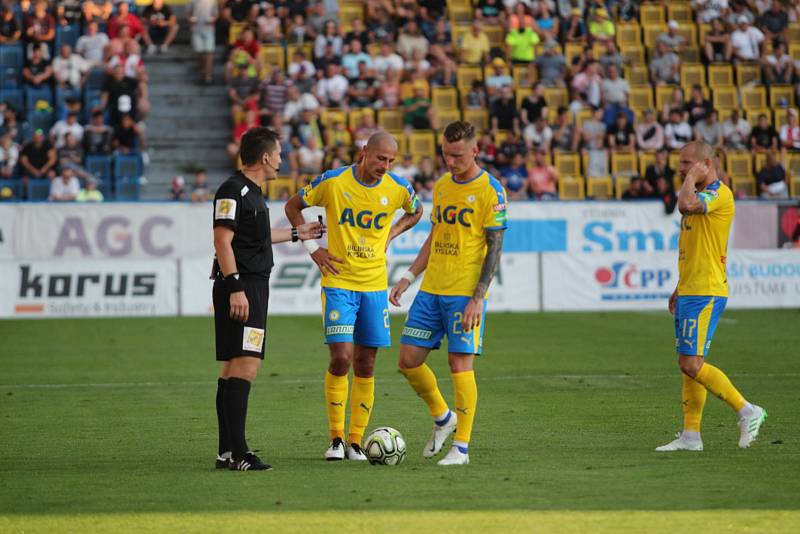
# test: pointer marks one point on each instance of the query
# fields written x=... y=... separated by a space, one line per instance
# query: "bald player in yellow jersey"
x=459 y=259
x=707 y=207
x=360 y=202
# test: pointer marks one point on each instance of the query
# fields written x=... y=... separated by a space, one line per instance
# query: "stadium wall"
x=154 y=258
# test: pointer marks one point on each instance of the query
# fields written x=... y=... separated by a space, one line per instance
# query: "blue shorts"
x=696 y=320
x=360 y=317
x=431 y=316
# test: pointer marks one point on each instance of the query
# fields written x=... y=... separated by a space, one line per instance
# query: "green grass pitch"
x=109 y=425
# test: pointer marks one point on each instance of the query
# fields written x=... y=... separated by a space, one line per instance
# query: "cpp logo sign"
x=627 y=281
x=115 y=236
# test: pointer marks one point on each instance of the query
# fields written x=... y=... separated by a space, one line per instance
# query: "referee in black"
x=243 y=245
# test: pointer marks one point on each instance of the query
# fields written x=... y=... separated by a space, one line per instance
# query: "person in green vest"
x=90 y=193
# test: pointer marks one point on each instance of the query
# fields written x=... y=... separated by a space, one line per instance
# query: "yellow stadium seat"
x=633 y=54
x=457 y=34
x=779 y=118
x=622 y=185
x=583 y=115
x=744 y=184
x=235 y=31
x=466 y=74
x=460 y=14
x=637 y=75
x=281 y=188
x=720 y=75
x=739 y=163
x=422 y=143
x=306 y=48
x=271 y=56
x=500 y=137
x=572 y=188
x=754 y=97
x=747 y=73
x=568 y=164
x=390 y=119
x=354 y=117
x=629 y=33
x=520 y=95
x=759 y=161
x=479 y=118
x=779 y=93
x=523 y=77
x=651 y=33
x=330 y=116
x=794 y=186
x=688 y=30
x=444 y=97
x=641 y=98
x=725 y=97
x=351 y=12
x=675 y=162
x=690 y=54
x=664 y=95
x=682 y=13
x=794 y=51
x=402 y=141
x=445 y=116
x=623 y=163
x=571 y=50
x=646 y=159
x=692 y=74
x=752 y=114
x=652 y=14
x=702 y=31
x=793 y=164
x=496 y=35
x=556 y=96
x=793 y=32
x=599 y=187
x=585 y=163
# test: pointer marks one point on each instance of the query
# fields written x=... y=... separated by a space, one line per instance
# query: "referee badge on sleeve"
x=225 y=209
x=252 y=339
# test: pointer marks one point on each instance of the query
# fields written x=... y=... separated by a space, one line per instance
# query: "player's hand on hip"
x=240 y=308
x=326 y=261
x=673 y=300
x=397 y=291
x=312 y=230
x=472 y=314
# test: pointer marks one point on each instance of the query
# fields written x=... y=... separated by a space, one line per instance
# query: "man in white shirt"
x=615 y=90
x=677 y=132
x=301 y=71
x=296 y=103
x=736 y=132
x=709 y=10
x=65 y=187
x=387 y=60
x=407 y=169
x=92 y=45
x=61 y=128
x=746 y=41
x=69 y=68
x=332 y=89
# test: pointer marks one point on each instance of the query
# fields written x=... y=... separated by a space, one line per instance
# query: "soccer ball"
x=385 y=446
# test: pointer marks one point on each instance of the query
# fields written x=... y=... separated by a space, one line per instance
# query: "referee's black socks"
x=224 y=436
x=234 y=400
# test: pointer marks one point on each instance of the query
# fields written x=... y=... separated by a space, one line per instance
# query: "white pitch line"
x=122 y=385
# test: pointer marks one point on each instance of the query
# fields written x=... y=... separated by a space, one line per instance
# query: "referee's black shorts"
x=236 y=338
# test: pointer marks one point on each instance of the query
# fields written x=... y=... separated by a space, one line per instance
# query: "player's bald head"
x=381 y=141
x=698 y=150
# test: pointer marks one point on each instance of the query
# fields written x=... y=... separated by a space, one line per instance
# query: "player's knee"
x=690 y=367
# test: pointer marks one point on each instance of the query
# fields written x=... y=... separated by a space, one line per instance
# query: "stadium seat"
x=725 y=97
x=759 y=161
x=556 y=96
x=37 y=94
x=754 y=97
x=641 y=98
x=465 y=75
x=571 y=188
x=445 y=116
x=651 y=33
x=637 y=75
x=780 y=93
x=478 y=117
x=747 y=73
x=390 y=119
x=682 y=13
x=690 y=54
x=599 y=188
x=633 y=55
x=702 y=31
x=38 y=189
x=720 y=75
x=41 y=120
x=629 y=34
x=520 y=95
x=402 y=141
x=12 y=56
x=127 y=188
x=348 y=12
x=355 y=115
x=500 y=137
x=444 y=97
x=583 y=115
x=793 y=164
x=567 y=164
x=746 y=184
x=622 y=183
x=460 y=14
x=99 y=166
x=10 y=77
x=793 y=32
x=127 y=166
x=14 y=97
x=14 y=185
x=573 y=49
x=623 y=164
x=283 y=184
x=646 y=159
x=66 y=35
x=688 y=30
x=779 y=118
x=663 y=95
x=794 y=185
x=422 y=143
x=329 y=117
x=457 y=35
x=308 y=50
x=235 y=30
x=794 y=51
x=692 y=74
x=675 y=161
x=496 y=35
x=652 y=14
x=523 y=78
x=739 y=164
x=270 y=56
x=752 y=114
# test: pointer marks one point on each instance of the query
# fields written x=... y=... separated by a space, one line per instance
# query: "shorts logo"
x=339 y=330
x=253 y=339
x=334 y=315
x=225 y=209
x=418 y=333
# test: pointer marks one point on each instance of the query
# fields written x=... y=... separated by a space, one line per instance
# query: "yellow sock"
x=693 y=396
x=423 y=381
x=466 y=399
x=720 y=385
x=335 y=398
x=361 y=400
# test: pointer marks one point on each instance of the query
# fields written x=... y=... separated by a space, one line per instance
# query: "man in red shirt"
x=542 y=178
x=126 y=18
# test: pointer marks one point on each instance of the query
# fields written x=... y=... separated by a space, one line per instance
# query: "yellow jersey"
x=703 y=244
x=359 y=218
x=462 y=213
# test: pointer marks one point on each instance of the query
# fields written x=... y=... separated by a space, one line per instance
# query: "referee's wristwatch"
x=295 y=236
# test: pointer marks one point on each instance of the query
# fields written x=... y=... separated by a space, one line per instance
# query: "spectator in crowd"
x=426 y=174
x=92 y=44
x=406 y=169
x=123 y=94
x=240 y=11
x=128 y=136
x=61 y=128
x=708 y=10
x=70 y=156
x=601 y=28
x=365 y=129
x=790 y=133
x=337 y=136
x=534 y=105
x=241 y=86
x=717 y=45
x=542 y=178
x=69 y=69
x=657 y=171
x=778 y=66
x=301 y=71
x=552 y=65
x=329 y=37
x=274 y=90
x=477 y=98
x=10 y=32
x=510 y=147
x=771 y=179
x=411 y=40
x=306 y=158
x=739 y=10
x=521 y=47
x=177 y=190
x=611 y=56
x=503 y=112
x=675 y=101
x=37 y=71
x=387 y=60
x=354 y=57
x=775 y=21
x=576 y=31
x=677 y=132
x=202 y=17
x=125 y=18
x=474 y=46
x=498 y=78
x=746 y=41
x=64 y=187
x=490 y=11
x=629 y=10
x=269 y=25
x=736 y=132
x=710 y=130
x=332 y=88
x=161 y=27
x=417 y=112
x=200 y=190
x=698 y=106
x=565 y=138
x=588 y=82
x=97 y=136
x=9 y=156
x=763 y=137
x=547 y=26
x=665 y=67
x=673 y=40
x=615 y=89
x=297 y=102
x=538 y=135
x=90 y=193
x=69 y=13
x=357 y=33
x=38 y=158
x=514 y=178
x=649 y=133
x=593 y=148
x=97 y=10
x=40 y=30
x=9 y=124
x=621 y=136
x=382 y=28
x=635 y=190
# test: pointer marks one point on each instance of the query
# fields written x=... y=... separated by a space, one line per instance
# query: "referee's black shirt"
x=238 y=205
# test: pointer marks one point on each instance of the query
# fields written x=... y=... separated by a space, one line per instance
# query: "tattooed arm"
x=474 y=309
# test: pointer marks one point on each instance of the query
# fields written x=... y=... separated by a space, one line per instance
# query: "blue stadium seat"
x=24 y=133
x=35 y=94
x=14 y=185
x=38 y=189
x=100 y=166
x=127 y=188
x=95 y=79
x=9 y=77
x=41 y=119
x=127 y=166
x=66 y=35
x=62 y=95
x=12 y=56
x=14 y=97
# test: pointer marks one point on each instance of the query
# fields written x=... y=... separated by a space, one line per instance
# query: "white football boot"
x=335 y=451
x=355 y=452
x=439 y=436
x=749 y=426
x=681 y=443
x=454 y=457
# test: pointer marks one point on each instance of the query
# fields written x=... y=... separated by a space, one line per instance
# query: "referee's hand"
x=240 y=308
